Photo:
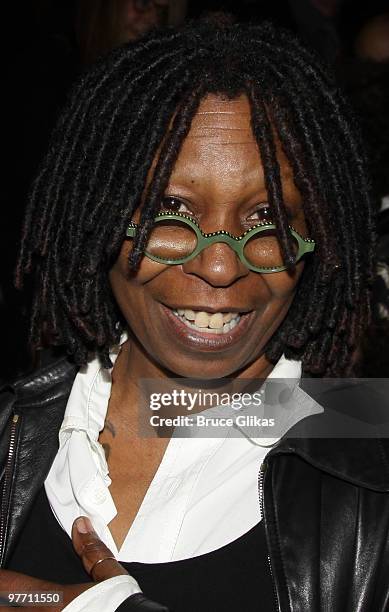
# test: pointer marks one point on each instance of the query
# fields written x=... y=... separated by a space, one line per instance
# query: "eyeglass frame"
x=237 y=243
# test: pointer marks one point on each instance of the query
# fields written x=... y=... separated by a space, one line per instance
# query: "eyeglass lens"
x=173 y=239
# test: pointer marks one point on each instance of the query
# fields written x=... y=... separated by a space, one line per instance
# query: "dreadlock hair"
x=140 y=100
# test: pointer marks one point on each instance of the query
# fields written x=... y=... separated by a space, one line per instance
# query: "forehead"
x=221 y=143
x=223 y=121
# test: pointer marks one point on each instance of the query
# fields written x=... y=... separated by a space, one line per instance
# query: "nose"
x=218 y=265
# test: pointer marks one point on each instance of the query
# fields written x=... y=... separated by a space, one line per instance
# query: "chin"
x=203 y=368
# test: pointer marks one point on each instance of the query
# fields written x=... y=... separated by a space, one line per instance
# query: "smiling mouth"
x=209 y=323
x=208 y=331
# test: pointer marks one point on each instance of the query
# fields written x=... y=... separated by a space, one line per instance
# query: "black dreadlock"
x=146 y=93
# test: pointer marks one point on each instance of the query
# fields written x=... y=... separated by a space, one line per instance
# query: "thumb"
x=96 y=557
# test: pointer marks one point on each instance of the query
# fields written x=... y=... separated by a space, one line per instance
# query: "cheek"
x=130 y=288
x=146 y=271
x=280 y=292
x=282 y=285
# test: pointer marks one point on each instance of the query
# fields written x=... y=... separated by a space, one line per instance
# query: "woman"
x=236 y=139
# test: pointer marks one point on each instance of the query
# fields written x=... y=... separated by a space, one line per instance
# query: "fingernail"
x=83 y=525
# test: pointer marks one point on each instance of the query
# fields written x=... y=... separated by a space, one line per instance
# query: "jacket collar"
x=363 y=461
x=44 y=386
x=39 y=400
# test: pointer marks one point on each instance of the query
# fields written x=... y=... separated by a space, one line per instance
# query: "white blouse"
x=203 y=496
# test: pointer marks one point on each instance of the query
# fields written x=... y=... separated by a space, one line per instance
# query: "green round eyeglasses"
x=176 y=238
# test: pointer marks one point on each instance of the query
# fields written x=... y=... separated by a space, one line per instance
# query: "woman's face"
x=219 y=179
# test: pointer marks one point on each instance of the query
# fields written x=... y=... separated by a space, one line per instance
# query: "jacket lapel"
x=350 y=439
x=40 y=403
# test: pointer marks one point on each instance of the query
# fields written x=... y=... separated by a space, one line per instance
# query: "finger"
x=96 y=557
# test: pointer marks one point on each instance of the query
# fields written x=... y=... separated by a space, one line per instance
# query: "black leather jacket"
x=325 y=501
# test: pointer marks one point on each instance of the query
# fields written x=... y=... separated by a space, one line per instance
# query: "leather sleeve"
x=140 y=603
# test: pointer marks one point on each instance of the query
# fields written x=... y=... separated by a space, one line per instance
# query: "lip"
x=207 y=341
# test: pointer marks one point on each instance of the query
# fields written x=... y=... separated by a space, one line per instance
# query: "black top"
x=235 y=577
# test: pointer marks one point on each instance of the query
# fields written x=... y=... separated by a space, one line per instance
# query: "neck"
x=134 y=364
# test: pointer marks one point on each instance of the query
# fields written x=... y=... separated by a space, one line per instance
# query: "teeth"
x=202 y=319
x=189 y=314
x=218 y=322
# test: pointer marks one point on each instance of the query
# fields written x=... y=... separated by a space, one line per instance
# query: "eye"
x=262 y=212
x=174 y=205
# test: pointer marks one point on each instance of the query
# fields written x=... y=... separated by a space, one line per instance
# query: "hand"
x=97 y=559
